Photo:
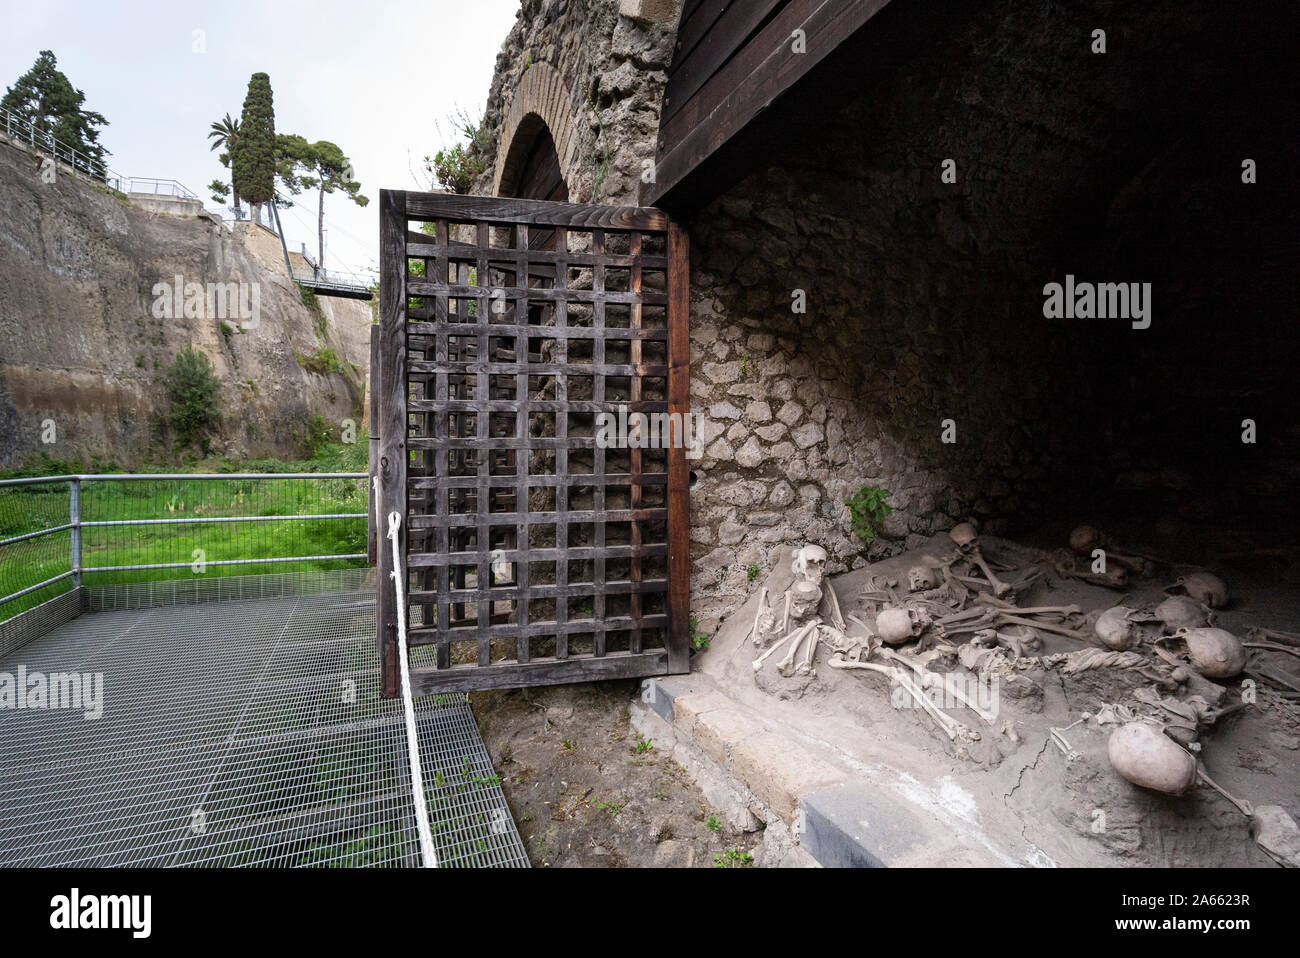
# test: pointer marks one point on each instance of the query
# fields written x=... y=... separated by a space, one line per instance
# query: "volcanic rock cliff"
x=86 y=337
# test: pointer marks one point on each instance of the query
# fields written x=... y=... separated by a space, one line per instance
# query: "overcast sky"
x=378 y=78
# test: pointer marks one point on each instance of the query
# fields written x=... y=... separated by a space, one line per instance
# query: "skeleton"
x=1005 y=618
x=1182 y=612
x=901 y=624
x=801 y=602
x=809 y=565
x=795 y=636
x=1215 y=653
x=1058 y=738
x=951 y=727
x=804 y=597
x=930 y=679
x=1242 y=806
x=983 y=656
x=1115 y=629
x=1205 y=587
x=922 y=579
x=1085 y=539
x=766 y=624
x=968 y=547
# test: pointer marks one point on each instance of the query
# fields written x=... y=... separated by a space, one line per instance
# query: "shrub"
x=325 y=361
x=457 y=167
x=319 y=436
x=192 y=386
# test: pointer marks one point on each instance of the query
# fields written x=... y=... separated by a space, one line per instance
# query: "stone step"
x=838 y=814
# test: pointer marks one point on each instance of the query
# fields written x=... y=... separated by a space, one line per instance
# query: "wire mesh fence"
x=58 y=532
x=35 y=544
x=252 y=734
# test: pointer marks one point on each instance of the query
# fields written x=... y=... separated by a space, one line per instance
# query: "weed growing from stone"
x=868 y=509
x=733 y=858
x=699 y=640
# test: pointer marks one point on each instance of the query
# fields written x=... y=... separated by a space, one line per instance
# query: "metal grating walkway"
x=237 y=734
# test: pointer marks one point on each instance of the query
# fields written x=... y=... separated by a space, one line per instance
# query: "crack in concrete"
x=1034 y=765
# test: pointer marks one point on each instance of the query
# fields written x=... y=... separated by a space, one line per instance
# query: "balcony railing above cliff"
x=21 y=132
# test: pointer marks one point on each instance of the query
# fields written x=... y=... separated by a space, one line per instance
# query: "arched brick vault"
x=540 y=102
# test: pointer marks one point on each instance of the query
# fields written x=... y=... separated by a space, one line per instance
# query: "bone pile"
x=957 y=598
x=963 y=608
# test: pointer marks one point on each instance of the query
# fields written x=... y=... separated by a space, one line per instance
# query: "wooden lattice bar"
x=532 y=553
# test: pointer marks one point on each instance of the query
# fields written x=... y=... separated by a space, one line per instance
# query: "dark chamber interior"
x=1122 y=167
x=1159 y=438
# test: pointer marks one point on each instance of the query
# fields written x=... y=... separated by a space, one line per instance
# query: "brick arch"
x=540 y=102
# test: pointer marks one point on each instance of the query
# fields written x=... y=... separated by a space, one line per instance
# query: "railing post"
x=74 y=518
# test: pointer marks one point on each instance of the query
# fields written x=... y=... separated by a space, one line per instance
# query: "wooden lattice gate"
x=536 y=547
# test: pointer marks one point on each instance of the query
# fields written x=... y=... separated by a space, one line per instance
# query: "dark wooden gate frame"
x=392 y=414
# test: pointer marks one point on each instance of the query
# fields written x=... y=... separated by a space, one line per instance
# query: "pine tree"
x=45 y=98
x=330 y=171
x=253 y=159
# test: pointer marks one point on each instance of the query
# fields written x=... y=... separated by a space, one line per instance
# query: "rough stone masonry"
x=922 y=310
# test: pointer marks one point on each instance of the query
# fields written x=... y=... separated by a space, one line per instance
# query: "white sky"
x=378 y=78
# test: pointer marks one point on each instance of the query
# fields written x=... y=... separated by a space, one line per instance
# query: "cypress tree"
x=253 y=162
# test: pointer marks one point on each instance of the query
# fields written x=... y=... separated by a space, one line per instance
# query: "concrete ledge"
x=660 y=694
x=166 y=203
x=846 y=827
x=718 y=731
x=778 y=771
x=830 y=815
x=687 y=709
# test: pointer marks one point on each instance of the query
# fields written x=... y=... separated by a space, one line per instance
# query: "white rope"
x=427 y=853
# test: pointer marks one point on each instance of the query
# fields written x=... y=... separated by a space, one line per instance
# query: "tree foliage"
x=457 y=167
x=192 y=386
x=45 y=98
x=253 y=158
x=327 y=170
x=224 y=135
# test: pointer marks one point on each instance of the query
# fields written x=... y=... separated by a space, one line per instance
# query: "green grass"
x=25 y=509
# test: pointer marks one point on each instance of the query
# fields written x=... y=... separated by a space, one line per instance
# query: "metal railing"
x=157 y=187
x=57 y=530
x=20 y=130
x=330 y=277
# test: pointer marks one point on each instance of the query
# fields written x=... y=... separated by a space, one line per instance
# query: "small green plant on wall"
x=867 y=510
x=699 y=640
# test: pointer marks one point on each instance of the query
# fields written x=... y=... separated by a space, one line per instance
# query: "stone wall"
x=595 y=77
x=923 y=298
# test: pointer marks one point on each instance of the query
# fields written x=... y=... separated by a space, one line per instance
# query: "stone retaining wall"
x=924 y=298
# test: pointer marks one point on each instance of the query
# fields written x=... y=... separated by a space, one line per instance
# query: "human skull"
x=1115 y=629
x=964 y=534
x=1181 y=612
x=809 y=564
x=1084 y=539
x=1205 y=587
x=1216 y=653
x=920 y=578
x=1145 y=756
x=897 y=626
x=804 y=599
